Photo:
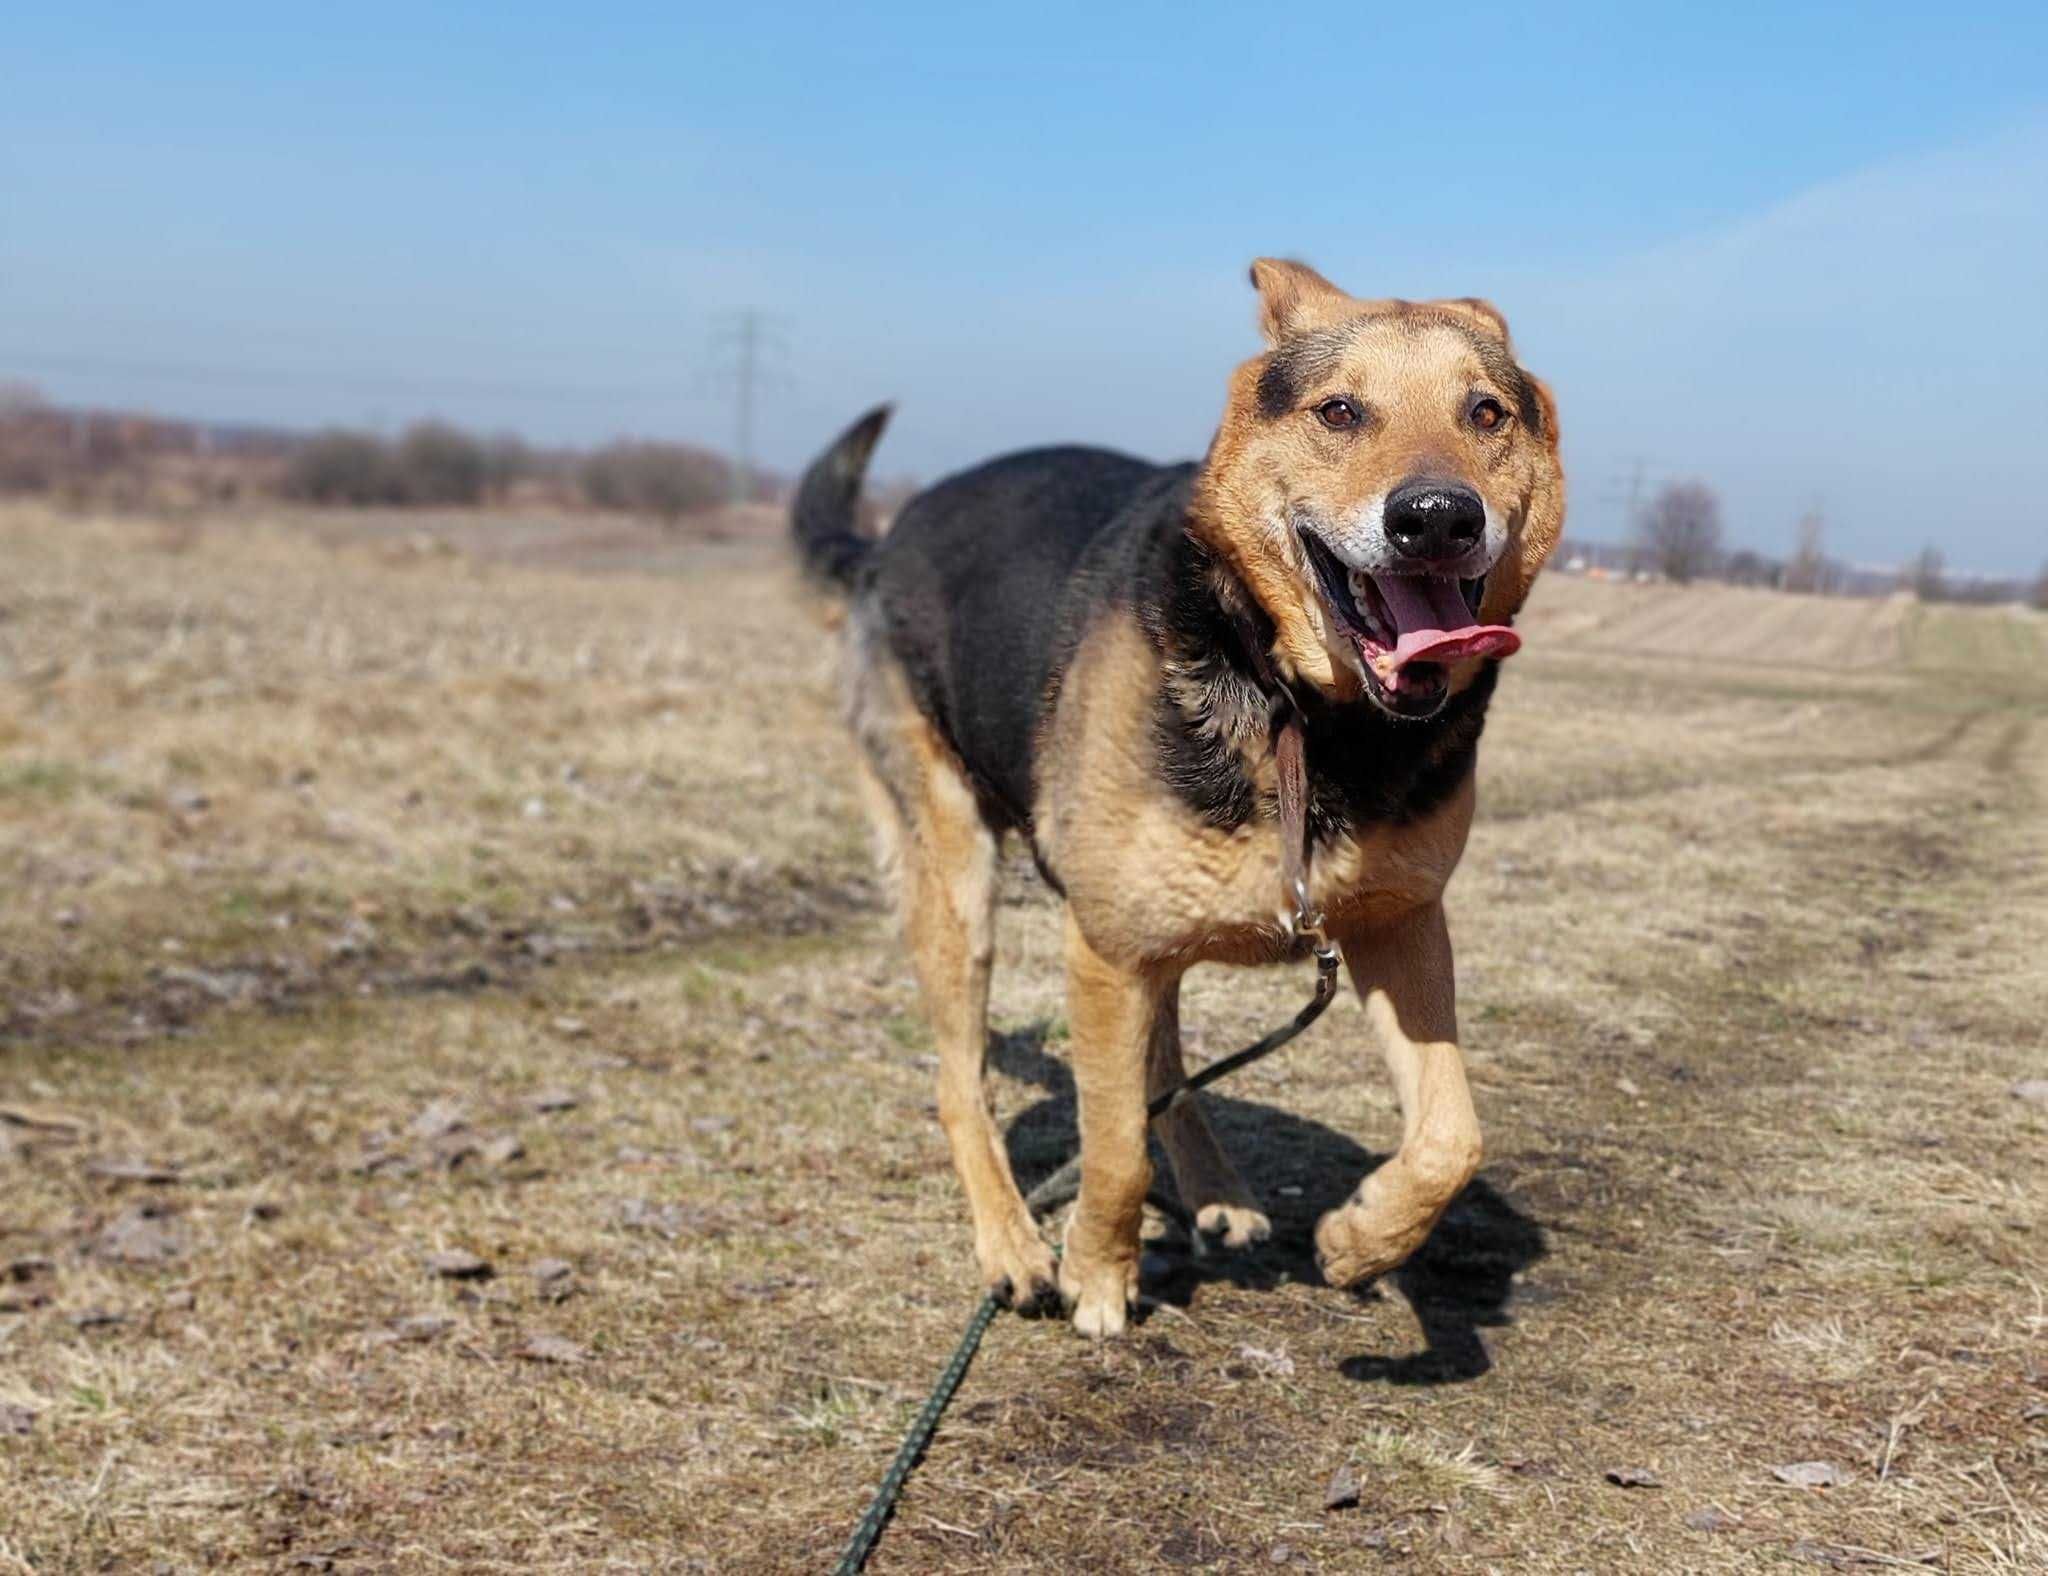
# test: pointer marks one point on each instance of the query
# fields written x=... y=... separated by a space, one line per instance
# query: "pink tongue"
x=1433 y=624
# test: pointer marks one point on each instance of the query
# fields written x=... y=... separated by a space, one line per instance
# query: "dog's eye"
x=1487 y=414
x=1338 y=413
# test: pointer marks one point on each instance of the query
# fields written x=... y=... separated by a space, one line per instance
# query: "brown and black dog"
x=1055 y=644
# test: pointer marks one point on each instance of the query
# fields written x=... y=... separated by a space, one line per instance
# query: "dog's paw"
x=1101 y=1293
x=1017 y=1268
x=1231 y=1226
x=1353 y=1246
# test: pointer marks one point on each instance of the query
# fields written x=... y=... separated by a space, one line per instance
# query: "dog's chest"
x=1151 y=878
x=1155 y=873
x=1155 y=882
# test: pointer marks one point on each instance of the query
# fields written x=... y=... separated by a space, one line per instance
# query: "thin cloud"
x=1870 y=343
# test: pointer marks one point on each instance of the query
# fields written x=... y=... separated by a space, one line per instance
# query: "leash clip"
x=1307 y=923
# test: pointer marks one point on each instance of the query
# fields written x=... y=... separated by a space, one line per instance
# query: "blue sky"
x=1797 y=251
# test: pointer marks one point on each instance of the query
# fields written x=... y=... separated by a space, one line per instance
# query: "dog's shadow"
x=1459 y=1282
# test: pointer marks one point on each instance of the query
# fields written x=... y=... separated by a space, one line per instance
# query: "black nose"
x=1434 y=520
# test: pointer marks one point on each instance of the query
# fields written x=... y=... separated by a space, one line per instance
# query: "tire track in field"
x=453 y=954
x=1777 y=769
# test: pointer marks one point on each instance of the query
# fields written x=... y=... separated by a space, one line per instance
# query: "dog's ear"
x=1546 y=406
x=1293 y=297
x=1507 y=585
x=1482 y=315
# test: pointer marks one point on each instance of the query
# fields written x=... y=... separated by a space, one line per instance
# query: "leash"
x=1305 y=922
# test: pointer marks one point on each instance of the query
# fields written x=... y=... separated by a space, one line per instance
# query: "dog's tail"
x=826 y=514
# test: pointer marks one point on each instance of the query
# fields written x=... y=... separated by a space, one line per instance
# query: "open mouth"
x=1407 y=628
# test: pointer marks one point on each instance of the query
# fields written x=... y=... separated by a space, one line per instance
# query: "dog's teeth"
x=1361 y=587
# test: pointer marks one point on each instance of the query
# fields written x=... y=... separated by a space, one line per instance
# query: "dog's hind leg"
x=1404 y=974
x=1211 y=1190
x=946 y=854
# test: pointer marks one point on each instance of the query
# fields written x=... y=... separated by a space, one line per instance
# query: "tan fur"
x=1419 y=364
x=1151 y=881
x=924 y=811
x=1403 y=972
x=1152 y=888
x=1113 y=1010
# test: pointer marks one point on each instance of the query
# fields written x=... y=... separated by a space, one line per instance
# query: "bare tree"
x=666 y=480
x=342 y=467
x=2040 y=594
x=1679 y=531
x=1928 y=575
x=436 y=463
x=508 y=460
x=1806 y=570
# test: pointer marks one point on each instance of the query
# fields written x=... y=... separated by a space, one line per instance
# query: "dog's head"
x=1386 y=483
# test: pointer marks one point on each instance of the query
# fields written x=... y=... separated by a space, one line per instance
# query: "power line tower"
x=749 y=357
x=1624 y=493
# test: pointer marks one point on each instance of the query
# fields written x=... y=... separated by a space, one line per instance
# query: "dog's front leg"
x=1112 y=1009
x=1403 y=972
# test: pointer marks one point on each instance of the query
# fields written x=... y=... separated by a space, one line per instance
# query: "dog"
x=1084 y=649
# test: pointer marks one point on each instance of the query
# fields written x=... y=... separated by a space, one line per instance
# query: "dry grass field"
x=461 y=1107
